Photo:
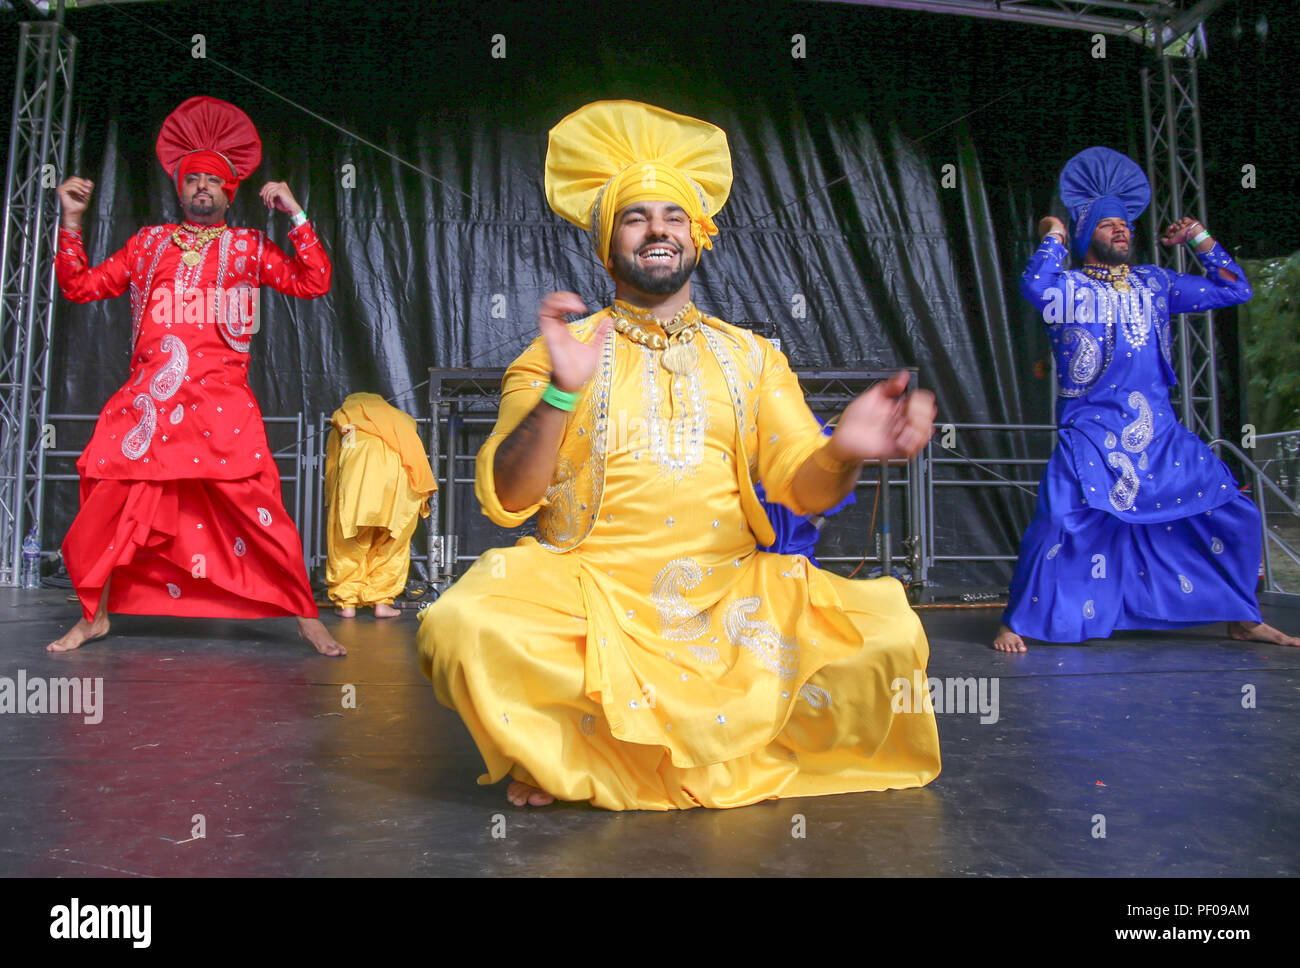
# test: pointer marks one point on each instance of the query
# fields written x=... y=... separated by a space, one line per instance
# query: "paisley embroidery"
x=1216 y=546
x=1124 y=492
x=173 y=590
x=236 y=310
x=1053 y=552
x=815 y=696
x=1184 y=584
x=1088 y=610
x=587 y=724
x=1111 y=440
x=1086 y=362
x=679 y=620
x=777 y=654
x=169 y=378
x=264 y=516
x=178 y=414
x=240 y=548
x=1137 y=435
x=705 y=653
x=137 y=440
x=1142 y=461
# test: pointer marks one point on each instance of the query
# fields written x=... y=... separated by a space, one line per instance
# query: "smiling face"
x=651 y=254
x=1112 y=242
x=203 y=198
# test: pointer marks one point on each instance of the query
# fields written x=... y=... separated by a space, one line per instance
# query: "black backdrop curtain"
x=840 y=236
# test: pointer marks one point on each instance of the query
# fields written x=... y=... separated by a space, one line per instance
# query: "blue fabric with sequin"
x=796 y=534
x=1138 y=524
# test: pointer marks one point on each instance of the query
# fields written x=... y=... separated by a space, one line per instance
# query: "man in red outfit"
x=180 y=497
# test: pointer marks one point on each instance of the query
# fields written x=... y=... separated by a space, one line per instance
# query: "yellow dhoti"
x=643 y=654
x=377 y=491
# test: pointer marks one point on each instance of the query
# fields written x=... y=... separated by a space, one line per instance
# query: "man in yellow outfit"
x=639 y=652
x=377 y=486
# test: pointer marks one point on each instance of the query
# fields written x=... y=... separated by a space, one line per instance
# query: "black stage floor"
x=241 y=723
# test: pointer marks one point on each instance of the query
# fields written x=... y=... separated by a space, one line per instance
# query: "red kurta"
x=180 y=496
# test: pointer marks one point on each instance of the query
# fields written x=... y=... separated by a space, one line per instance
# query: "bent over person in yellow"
x=377 y=485
x=639 y=652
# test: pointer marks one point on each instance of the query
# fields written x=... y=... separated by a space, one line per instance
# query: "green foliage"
x=1270 y=343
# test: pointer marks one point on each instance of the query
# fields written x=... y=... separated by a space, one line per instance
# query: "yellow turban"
x=612 y=154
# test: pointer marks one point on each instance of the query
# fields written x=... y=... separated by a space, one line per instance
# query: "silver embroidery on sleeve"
x=778 y=654
x=679 y=620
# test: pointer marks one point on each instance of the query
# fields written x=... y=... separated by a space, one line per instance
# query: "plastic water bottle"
x=31 y=573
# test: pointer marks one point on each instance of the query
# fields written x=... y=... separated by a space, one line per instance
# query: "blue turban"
x=1098 y=183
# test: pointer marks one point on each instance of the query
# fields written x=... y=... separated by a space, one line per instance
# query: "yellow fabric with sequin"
x=643 y=654
x=377 y=486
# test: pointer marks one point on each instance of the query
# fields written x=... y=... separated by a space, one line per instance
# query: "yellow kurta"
x=661 y=661
x=377 y=486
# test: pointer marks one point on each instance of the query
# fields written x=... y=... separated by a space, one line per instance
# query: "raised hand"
x=74 y=196
x=572 y=361
x=1179 y=232
x=885 y=422
x=277 y=195
x=1052 y=225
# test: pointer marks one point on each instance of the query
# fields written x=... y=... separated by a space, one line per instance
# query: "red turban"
x=209 y=136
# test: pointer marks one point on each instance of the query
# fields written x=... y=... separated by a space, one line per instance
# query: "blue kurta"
x=1138 y=525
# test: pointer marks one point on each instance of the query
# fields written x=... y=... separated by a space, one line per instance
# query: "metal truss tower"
x=1176 y=172
x=38 y=138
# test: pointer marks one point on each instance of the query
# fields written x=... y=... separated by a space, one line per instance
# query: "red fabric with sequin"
x=184 y=435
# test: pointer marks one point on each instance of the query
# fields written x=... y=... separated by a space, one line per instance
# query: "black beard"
x=197 y=208
x=627 y=271
x=1109 y=255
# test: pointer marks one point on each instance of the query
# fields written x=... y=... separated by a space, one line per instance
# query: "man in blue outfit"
x=1138 y=525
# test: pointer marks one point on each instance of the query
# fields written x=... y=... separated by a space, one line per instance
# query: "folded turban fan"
x=210 y=136
x=1099 y=183
x=612 y=154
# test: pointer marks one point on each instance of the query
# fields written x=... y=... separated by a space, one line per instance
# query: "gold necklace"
x=190 y=251
x=1117 y=276
x=679 y=353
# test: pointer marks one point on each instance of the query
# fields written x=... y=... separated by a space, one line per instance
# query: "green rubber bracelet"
x=1200 y=237
x=558 y=399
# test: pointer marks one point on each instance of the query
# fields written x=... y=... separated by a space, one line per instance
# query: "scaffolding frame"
x=38 y=136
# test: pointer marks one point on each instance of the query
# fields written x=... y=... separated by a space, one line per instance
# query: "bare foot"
x=80 y=634
x=314 y=632
x=525 y=794
x=1258 y=632
x=347 y=611
x=386 y=611
x=1008 y=641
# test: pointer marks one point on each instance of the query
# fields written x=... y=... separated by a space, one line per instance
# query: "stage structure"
x=39 y=135
x=38 y=140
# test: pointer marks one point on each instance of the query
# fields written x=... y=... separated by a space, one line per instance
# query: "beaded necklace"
x=190 y=251
x=679 y=352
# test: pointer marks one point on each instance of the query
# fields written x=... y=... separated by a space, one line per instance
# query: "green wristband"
x=1200 y=237
x=558 y=399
